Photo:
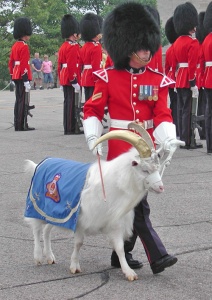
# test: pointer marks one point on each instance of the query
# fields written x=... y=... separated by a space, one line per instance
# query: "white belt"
x=208 y=63
x=86 y=67
x=17 y=63
x=183 y=65
x=123 y=124
x=64 y=65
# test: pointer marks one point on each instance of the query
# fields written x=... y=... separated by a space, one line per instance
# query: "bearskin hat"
x=185 y=18
x=200 y=31
x=170 y=31
x=207 y=23
x=127 y=29
x=154 y=12
x=90 y=26
x=22 y=27
x=69 y=26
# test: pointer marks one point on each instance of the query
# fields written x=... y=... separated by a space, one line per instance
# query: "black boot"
x=133 y=264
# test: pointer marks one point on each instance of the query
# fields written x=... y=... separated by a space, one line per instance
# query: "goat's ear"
x=134 y=163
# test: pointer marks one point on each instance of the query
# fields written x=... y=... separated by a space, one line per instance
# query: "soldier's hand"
x=91 y=140
x=76 y=86
x=27 y=86
x=195 y=92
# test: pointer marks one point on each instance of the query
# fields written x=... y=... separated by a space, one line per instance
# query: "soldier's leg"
x=208 y=120
x=179 y=112
x=201 y=111
x=88 y=92
x=173 y=107
x=186 y=115
x=68 y=121
x=153 y=245
x=19 y=105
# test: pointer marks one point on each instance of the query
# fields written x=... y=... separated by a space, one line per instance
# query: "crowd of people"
x=132 y=85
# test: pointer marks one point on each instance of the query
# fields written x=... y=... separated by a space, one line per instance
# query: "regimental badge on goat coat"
x=55 y=190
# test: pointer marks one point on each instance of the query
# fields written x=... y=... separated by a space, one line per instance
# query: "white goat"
x=127 y=179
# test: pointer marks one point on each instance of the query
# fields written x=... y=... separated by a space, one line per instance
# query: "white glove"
x=76 y=86
x=195 y=92
x=170 y=145
x=27 y=86
x=91 y=140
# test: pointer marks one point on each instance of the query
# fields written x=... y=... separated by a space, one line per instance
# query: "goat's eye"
x=134 y=163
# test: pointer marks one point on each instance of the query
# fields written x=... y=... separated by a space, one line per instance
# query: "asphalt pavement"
x=182 y=216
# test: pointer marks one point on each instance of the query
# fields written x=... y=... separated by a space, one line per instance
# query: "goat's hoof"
x=75 y=270
x=131 y=276
x=38 y=262
x=51 y=262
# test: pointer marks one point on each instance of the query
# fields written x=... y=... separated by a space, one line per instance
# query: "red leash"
x=100 y=170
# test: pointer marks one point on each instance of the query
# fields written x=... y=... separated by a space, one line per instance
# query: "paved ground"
x=182 y=217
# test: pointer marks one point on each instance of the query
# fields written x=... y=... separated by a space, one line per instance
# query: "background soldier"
x=171 y=36
x=20 y=72
x=200 y=35
x=207 y=55
x=91 y=51
x=68 y=59
x=156 y=61
x=185 y=49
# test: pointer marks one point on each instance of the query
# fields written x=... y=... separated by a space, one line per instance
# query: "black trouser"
x=69 y=122
x=88 y=92
x=153 y=246
x=208 y=119
x=173 y=107
x=19 y=107
x=184 y=106
x=201 y=111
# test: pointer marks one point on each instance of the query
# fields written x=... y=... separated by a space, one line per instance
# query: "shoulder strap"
x=102 y=74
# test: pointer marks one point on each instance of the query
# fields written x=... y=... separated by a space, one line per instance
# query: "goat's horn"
x=142 y=131
x=134 y=139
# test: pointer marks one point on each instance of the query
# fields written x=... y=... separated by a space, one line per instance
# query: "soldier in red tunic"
x=185 y=49
x=207 y=81
x=156 y=61
x=132 y=92
x=68 y=71
x=200 y=35
x=171 y=36
x=20 y=72
x=91 y=51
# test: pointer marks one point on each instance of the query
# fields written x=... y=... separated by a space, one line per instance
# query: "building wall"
x=166 y=7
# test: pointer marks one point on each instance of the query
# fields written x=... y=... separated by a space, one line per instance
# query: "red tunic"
x=156 y=61
x=186 y=49
x=119 y=91
x=207 y=56
x=168 y=65
x=19 y=61
x=200 y=68
x=68 y=62
x=90 y=61
x=109 y=63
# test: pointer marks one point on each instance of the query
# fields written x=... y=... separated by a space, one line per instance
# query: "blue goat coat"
x=55 y=190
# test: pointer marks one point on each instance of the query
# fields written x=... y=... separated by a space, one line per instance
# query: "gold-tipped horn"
x=142 y=131
x=134 y=139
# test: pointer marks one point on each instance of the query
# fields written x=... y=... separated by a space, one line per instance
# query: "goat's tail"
x=29 y=167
